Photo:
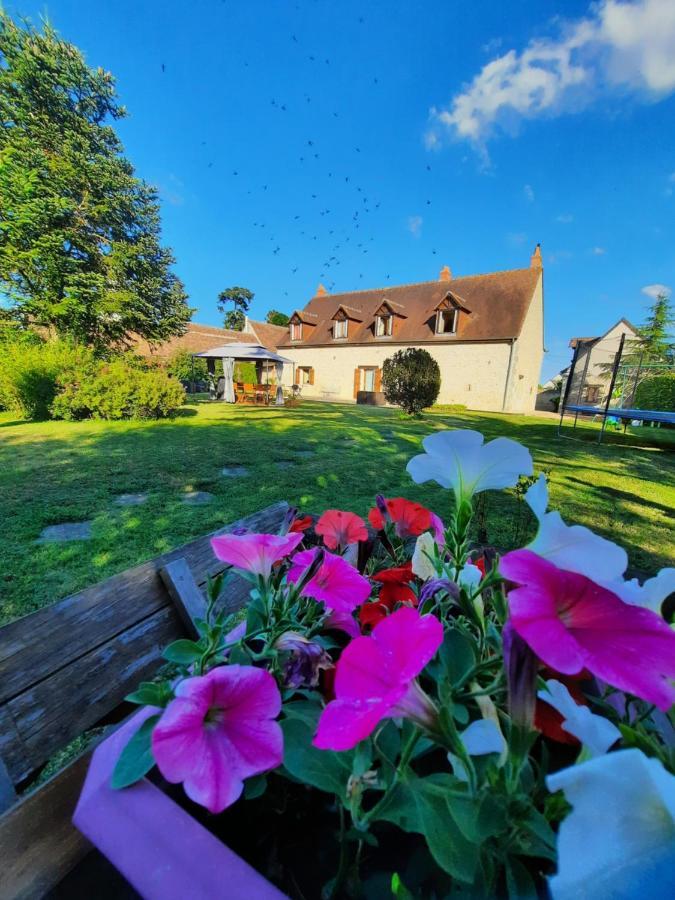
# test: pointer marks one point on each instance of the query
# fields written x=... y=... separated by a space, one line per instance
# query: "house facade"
x=594 y=361
x=485 y=332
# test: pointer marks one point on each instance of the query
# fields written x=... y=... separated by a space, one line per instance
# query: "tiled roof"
x=498 y=303
x=270 y=336
x=196 y=339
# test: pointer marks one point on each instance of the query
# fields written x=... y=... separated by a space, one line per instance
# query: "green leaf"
x=136 y=759
x=183 y=652
x=536 y=837
x=457 y=656
x=363 y=757
x=323 y=769
x=519 y=882
x=398 y=889
x=151 y=693
x=255 y=787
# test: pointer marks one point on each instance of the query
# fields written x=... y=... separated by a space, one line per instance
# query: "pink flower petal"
x=409 y=641
x=337 y=584
x=344 y=723
x=255 y=553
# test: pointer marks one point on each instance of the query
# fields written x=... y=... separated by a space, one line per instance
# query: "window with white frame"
x=305 y=375
x=296 y=331
x=383 y=325
x=340 y=329
x=369 y=379
x=446 y=321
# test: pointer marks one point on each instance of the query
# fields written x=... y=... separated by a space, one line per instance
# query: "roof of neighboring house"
x=496 y=306
x=268 y=335
x=593 y=340
x=197 y=339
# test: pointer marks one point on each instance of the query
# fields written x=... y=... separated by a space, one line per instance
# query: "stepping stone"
x=305 y=454
x=234 y=471
x=197 y=498
x=130 y=499
x=283 y=463
x=67 y=531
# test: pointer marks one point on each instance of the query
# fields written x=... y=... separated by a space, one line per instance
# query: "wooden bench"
x=66 y=669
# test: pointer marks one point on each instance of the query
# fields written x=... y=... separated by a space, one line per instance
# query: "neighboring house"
x=595 y=358
x=485 y=332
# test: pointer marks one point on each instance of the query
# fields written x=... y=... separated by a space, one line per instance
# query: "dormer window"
x=340 y=327
x=384 y=324
x=296 y=331
x=446 y=321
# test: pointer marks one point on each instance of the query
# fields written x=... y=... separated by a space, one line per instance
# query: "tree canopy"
x=240 y=298
x=274 y=317
x=80 y=247
x=655 y=336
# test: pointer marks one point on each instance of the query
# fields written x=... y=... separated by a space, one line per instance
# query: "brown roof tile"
x=270 y=336
x=196 y=339
x=497 y=302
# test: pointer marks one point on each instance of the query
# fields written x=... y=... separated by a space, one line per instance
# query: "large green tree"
x=240 y=298
x=80 y=247
x=656 y=338
x=274 y=317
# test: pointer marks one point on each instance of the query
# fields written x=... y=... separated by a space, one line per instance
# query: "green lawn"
x=53 y=472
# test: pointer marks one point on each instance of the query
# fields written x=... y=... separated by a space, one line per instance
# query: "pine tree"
x=80 y=249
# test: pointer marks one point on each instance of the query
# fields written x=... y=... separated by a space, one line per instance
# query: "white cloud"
x=653 y=290
x=415 y=225
x=558 y=256
x=529 y=193
x=517 y=238
x=621 y=46
x=598 y=251
x=565 y=218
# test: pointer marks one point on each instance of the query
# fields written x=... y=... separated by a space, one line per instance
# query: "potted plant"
x=401 y=714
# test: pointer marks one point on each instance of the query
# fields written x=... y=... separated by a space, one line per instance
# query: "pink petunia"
x=219 y=730
x=572 y=623
x=255 y=553
x=337 y=585
x=339 y=529
x=376 y=679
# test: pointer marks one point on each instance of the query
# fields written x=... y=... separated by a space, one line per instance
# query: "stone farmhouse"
x=485 y=332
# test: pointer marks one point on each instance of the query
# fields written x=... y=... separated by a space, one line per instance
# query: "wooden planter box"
x=156 y=845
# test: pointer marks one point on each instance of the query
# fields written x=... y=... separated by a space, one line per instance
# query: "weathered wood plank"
x=38 y=843
x=187 y=598
x=93 y=616
x=7 y=792
x=59 y=708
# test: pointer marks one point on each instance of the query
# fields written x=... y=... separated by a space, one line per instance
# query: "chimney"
x=321 y=291
x=536 y=260
x=445 y=274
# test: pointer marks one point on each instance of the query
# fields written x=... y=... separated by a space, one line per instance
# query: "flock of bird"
x=344 y=237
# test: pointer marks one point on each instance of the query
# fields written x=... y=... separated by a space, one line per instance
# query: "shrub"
x=657 y=392
x=30 y=370
x=118 y=390
x=411 y=379
x=180 y=365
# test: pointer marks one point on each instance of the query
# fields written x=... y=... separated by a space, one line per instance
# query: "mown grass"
x=53 y=472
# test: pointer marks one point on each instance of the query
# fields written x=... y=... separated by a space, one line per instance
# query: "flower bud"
x=521 y=666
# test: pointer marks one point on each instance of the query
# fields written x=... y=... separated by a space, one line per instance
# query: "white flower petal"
x=651 y=594
x=422 y=565
x=481 y=737
x=595 y=732
x=619 y=840
x=536 y=497
x=459 y=459
x=470 y=576
x=578 y=549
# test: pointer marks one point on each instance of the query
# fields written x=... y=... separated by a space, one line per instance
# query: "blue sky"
x=448 y=132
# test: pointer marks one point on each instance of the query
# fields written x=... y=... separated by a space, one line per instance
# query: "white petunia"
x=596 y=733
x=480 y=738
x=460 y=460
x=573 y=547
x=422 y=557
x=618 y=843
x=578 y=549
x=469 y=576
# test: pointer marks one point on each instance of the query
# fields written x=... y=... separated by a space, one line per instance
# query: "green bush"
x=657 y=392
x=411 y=379
x=30 y=370
x=180 y=365
x=118 y=390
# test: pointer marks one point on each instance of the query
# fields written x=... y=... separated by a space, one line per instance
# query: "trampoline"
x=606 y=387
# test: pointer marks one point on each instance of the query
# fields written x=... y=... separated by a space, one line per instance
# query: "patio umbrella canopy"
x=230 y=353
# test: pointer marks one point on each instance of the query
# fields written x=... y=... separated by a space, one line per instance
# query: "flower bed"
x=402 y=714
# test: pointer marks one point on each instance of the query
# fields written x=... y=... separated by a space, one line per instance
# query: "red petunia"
x=339 y=529
x=300 y=524
x=409 y=518
x=395 y=589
